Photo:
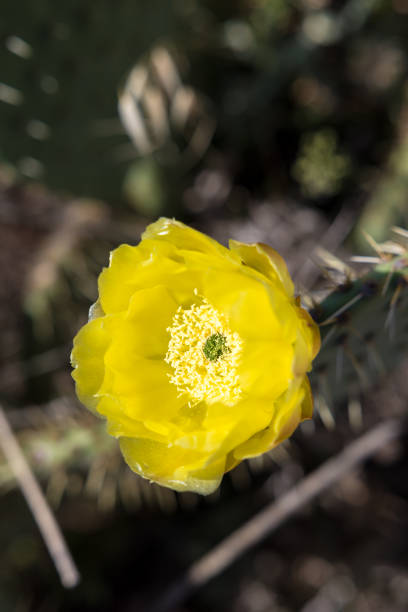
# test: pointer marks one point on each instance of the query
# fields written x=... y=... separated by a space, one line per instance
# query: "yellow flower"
x=195 y=354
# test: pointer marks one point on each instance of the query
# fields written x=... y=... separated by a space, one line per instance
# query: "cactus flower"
x=196 y=355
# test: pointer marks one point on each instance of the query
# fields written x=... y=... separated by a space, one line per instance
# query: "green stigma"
x=215 y=346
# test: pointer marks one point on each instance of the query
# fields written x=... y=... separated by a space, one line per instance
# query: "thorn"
x=400 y=231
x=385 y=248
x=365 y=259
x=374 y=245
x=393 y=248
x=387 y=282
x=307 y=297
x=328 y=336
x=333 y=281
x=324 y=402
x=395 y=296
x=95 y=479
x=334 y=262
x=355 y=414
x=340 y=311
x=376 y=358
x=280 y=454
x=308 y=300
x=358 y=368
x=326 y=389
x=390 y=319
x=255 y=464
x=325 y=414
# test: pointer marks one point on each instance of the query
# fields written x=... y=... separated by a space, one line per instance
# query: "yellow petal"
x=87 y=357
x=135 y=372
x=120 y=424
x=230 y=428
x=266 y=260
x=289 y=411
x=266 y=369
x=175 y=467
x=251 y=309
x=144 y=332
x=183 y=237
x=134 y=268
x=307 y=403
x=311 y=331
x=143 y=390
x=293 y=409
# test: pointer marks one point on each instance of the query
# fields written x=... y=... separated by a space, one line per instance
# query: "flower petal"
x=252 y=310
x=266 y=369
x=171 y=466
x=231 y=425
x=266 y=260
x=87 y=357
x=292 y=408
x=311 y=332
x=144 y=333
x=143 y=389
x=134 y=268
x=307 y=403
x=183 y=237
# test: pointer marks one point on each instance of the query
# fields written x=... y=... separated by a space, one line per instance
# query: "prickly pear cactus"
x=364 y=328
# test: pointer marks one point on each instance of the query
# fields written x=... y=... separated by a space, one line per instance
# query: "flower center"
x=215 y=346
x=204 y=355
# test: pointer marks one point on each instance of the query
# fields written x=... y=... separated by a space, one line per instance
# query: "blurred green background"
x=262 y=120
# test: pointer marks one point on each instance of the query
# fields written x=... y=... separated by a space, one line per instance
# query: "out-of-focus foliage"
x=264 y=74
x=319 y=168
x=61 y=68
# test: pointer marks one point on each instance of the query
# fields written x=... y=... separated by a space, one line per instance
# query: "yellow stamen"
x=204 y=355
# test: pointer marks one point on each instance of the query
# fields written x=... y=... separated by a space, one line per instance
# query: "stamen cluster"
x=204 y=355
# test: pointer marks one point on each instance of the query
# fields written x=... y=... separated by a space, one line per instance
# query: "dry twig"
x=41 y=511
